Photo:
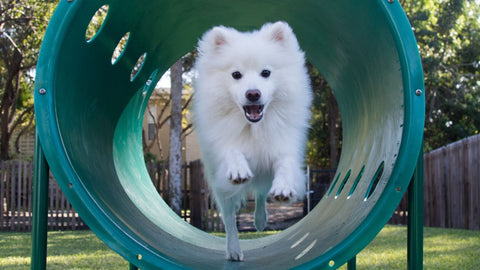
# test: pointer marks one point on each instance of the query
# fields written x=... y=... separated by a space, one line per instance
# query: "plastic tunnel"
x=89 y=115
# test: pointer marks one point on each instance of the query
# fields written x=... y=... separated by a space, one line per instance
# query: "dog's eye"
x=237 y=75
x=265 y=73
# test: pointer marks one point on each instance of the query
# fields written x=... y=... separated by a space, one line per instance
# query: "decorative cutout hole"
x=342 y=185
x=333 y=185
x=96 y=23
x=356 y=182
x=375 y=180
x=150 y=82
x=138 y=66
x=120 y=48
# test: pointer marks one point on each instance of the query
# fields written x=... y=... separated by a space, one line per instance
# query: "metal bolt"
x=139 y=257
x=418 y=92
x=391 y=1
x=148 y=82
x=42 y=91
x=69 y=1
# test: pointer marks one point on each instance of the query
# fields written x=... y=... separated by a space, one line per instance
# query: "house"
x=156 y=127
x=26 y=145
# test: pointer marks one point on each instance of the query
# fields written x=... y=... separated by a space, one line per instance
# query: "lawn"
x=444 y=249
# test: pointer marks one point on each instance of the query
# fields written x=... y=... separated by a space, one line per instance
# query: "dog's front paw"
x=234 y=252
x=282 y=193
x=235 y=255
x=239 y=173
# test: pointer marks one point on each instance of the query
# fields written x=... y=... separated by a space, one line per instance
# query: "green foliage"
x=325 y=132
x=96 y=22
x=150 y=157
x=22 y=26
x=448 y=35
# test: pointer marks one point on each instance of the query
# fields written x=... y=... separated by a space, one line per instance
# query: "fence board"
x=452 y=180
x=196 y=195
x=2 y=192
x=472 y=186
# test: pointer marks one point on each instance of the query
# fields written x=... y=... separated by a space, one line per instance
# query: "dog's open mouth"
x=253 y=113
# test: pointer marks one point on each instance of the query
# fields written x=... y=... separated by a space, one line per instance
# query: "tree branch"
x=13 y=43
x=188 y=127
x=187 y=102
x=19 y=119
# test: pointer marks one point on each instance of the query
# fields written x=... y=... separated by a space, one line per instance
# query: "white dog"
x=251 y=113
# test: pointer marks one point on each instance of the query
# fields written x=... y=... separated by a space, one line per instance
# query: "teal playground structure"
x=89 y=114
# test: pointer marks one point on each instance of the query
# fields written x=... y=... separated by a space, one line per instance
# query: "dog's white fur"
x=266 y=157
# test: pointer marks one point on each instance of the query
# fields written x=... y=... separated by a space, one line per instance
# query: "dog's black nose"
x=253 y=95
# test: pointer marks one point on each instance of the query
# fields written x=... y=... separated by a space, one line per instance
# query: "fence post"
x=40 y=209
x=196 y=202
x=415 y=217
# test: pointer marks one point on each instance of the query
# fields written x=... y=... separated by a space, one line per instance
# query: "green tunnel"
x=89 y=119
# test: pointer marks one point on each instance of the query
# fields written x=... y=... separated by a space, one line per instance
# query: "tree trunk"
x=175 y=159
x=8 y=105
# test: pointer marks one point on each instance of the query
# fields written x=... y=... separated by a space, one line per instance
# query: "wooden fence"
x=16 y=182
x=452 y=185
x=198 y=207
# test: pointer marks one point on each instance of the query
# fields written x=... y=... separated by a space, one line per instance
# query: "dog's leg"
x=238 y=171
x=228 y=209
x=289 y=181
x=261 y=215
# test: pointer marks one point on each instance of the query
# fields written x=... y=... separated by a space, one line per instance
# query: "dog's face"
x=252 y=89
x=249 y=66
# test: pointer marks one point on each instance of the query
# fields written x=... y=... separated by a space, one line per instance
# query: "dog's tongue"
x=253 y=113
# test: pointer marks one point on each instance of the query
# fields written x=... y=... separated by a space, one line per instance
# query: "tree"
x=175 y=157
x=325 y=136
x=22 y=26
x=448 y=34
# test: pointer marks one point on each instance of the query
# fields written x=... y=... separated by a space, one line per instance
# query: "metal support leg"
x=40 y=209
x=352 y=264
x=415 y=218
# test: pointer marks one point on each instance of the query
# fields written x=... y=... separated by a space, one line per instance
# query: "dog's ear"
x=280 y=32
x=214 y=39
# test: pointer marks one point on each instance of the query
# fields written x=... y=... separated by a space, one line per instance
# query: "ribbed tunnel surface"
x=90 y=122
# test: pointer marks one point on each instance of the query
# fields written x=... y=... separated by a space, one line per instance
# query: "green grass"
x=66 y=250
x=444 y=249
